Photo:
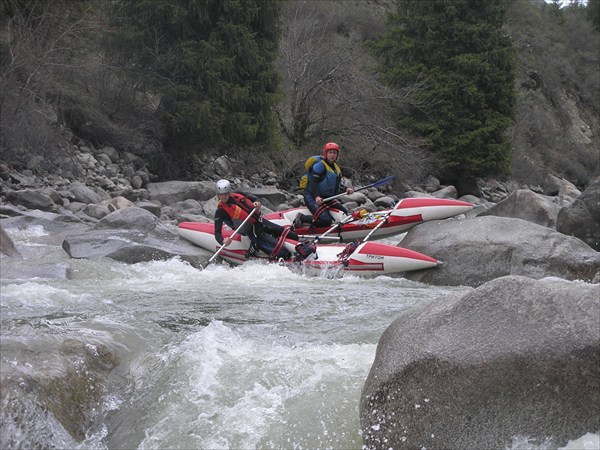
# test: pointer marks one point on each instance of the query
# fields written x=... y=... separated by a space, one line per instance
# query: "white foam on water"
x=238 y=393
x=26 y=234
x=589 y=441
x=36 y=296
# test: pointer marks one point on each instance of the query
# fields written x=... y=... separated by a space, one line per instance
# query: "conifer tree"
x=211 y=63
x=458 y=49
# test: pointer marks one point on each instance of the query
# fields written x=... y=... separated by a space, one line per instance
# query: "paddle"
x=381 y=182
x=232 y=235
x=383 y=220
x=351 y=248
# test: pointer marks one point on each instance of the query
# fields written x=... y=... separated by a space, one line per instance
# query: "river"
x=220 y=358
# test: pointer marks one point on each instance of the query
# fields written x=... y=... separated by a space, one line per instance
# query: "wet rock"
x=21 y=270
x=7 y=247
x=132 y=235
x=515 y=356
x=62 y=385
x=477 y=250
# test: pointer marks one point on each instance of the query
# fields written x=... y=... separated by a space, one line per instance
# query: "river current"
x=222 y=358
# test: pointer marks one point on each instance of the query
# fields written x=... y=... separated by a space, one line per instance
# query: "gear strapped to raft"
x=348 y=250
x=280 y=243
x=304 y=250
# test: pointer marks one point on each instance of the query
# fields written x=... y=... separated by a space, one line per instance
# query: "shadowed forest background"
x=507 y=89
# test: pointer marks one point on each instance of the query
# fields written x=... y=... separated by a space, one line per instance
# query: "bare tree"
x=40 y=44
x=333 y=93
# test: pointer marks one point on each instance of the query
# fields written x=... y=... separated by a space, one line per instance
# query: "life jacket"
x=239 y=209
x=335 y=170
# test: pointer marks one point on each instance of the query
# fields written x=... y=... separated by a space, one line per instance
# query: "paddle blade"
x=383 y=181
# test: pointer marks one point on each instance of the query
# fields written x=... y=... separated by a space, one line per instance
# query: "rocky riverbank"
x=107 y=197
x=529 y=325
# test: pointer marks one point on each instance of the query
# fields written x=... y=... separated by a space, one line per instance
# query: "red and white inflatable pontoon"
x=368 y=258
x=407 y=213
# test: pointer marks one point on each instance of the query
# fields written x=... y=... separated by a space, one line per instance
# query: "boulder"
x=432 y=184
x=222 y=166
x=384 y=202
x=268 y=196
x=62 y=378
x=468 y=186
x=31 y=199
x=117 y=202
x=84 y=194
x=97 y=211
x=149 y=206
x=132 y=235
x=527 y=205
x=168 y=192
x=513 y=357
x=565 y=190
x=445 y=192
x=582 y=217
x=477 y=250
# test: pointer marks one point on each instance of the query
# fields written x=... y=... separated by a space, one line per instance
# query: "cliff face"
x=557 y=127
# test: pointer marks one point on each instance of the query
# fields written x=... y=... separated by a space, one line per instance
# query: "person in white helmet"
x=233 y=208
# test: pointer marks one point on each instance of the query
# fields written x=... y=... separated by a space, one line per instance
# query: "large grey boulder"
x=480 y=249
x=582 y=217
x=527 y=205
x=132 y=235
x=514 y=357
x=168 y=192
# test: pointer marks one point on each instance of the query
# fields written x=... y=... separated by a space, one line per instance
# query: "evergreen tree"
x=210 y=61
x=458 y=49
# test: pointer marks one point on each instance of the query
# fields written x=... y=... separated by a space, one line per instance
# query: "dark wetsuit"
x=324 y=180
x=262 y=232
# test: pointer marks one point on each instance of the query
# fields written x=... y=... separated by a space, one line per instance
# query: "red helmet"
x=330 y=146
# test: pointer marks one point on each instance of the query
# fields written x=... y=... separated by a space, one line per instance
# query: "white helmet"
x=223 y=187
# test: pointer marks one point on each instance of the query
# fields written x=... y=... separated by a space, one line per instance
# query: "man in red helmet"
x=324 y=180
